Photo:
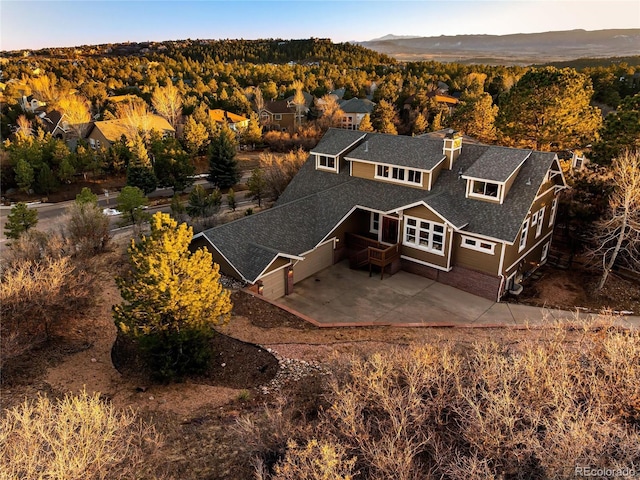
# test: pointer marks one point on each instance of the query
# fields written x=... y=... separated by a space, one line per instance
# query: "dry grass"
x=508 y=411
x=71 y=438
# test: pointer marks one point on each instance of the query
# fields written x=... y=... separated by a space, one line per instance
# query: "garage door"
x=273 y=284
x=320 y=258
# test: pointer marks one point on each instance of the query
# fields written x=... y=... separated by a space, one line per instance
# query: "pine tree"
x=420 y=124
x=20 y=219
x=140 y=171
x=365 y=124
x=24 y=175
x=223 y=166
x=253 y=133
x=172 y=299
x=257 y=185
x=46 y=182
x=231 y=200
x=202 y=204
x=384 y=118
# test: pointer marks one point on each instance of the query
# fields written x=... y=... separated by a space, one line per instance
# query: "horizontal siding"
x=423 y=212
x=368 y=171
x=279 y=262
x=475 y=260
x=427 y=257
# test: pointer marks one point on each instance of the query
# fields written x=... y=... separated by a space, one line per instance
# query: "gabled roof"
x=114 y=129
x=278 y=106
x=415 y=152
x=497 y=164
x=315 y=202
x=222 y=116
x=335 y=141
x=357 y=105
x=308 y=99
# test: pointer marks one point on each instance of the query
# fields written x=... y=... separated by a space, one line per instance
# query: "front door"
x=389 y=230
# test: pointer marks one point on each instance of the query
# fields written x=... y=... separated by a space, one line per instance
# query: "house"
x=31 y=104
x=439 y=96
x=476 y=217
x=55 y=123
x=233 y=121
x=284 y=115
x=104 y=133
x=355 y=110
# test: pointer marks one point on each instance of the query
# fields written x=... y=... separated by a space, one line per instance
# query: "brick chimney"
x=452 y=147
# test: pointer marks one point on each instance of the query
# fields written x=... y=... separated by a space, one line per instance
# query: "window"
x=534 y=219
x=382 y=171
x=523 y=235
x=554 y=208
x=545 y=252
x=326 y=162
x=479 y=245
x=375 y=222
x=277 y=116
x=540 y=221
x=485 y=189
x=425 y=235
x=399 y=174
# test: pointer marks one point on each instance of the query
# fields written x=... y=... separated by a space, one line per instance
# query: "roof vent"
x=366 y=146
x=460 y=172
x=528 y=182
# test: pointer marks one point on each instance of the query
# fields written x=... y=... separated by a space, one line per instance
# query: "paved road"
x=50 y=214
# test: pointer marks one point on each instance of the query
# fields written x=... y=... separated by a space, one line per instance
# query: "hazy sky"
x=38 y=24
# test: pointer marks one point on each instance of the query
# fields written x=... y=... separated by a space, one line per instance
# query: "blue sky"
x=39 y=24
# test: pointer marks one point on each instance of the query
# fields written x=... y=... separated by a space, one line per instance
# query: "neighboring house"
x=440 y=98
x=104 y=133
x=278 y=115
x=354 y=111
x=31 y=104
x=233 y=121
x=54 y=123
x=476 y=217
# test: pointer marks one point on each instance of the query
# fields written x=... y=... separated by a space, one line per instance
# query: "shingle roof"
x=315 y=202
x=114 y=129
x=336 y=141
x=357 y=105
x=279 y=106
x=416 y=152
x=497 y=164
x=222 y=116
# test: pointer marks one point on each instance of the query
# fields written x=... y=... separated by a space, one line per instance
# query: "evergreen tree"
x=196 y=135
x=172 y=299
x=253 y=133
x=20 y=219
x=475 y=115
x=257 y=185
x=130 y=203
x=384 y=118
x=231 y=200
x=620 y=131
x=173 y=167
x=420 y=124
x=24 y=175
x=46 y=182
x=86 y=196
x=202 y=204
x=66 y=171
x=365 y=124
x=223 y=166
x=549 y=109
x=140 y=171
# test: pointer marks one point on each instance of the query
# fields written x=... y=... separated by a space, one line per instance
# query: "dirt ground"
x=568 y=289
x=198 y=416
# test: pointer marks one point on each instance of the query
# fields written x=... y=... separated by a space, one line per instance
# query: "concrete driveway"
x=339 y=296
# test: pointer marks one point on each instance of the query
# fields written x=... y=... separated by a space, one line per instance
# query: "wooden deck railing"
x=383 y=257
x=367 y=251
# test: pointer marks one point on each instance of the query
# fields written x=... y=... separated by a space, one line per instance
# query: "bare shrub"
x=74 y=437
x=305 y=137
x=279 y=170
x=88 y=228
x=531 y=409
x=40 y=286
x=317 y=461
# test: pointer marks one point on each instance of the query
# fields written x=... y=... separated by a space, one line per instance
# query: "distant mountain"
x=521 y=48
x=391 y=36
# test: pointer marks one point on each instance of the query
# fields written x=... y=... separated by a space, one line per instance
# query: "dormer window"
x=326 y=162
x=485 y=189
x=399 y=174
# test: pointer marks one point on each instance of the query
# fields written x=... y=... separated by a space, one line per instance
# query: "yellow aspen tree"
x=172 y=298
